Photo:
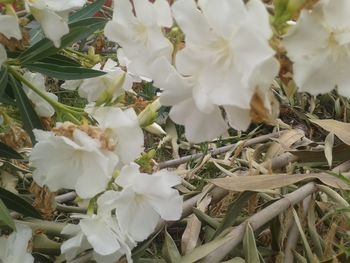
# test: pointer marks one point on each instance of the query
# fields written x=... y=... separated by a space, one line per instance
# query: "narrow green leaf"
x=233 y=212
x=5 y=217
x=169 y=250
x=251 y=252
x=87 y=11
x=64 y=72
x=3 y=79
x=29 y=117
x=141 y=248
x=60 y=60
x=204 y=218
x=78 y=31
x=8 y=153
x=18 y=204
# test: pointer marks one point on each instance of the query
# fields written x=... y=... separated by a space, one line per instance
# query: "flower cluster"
x=210 y=73
x=97 y=162
x=226 y=58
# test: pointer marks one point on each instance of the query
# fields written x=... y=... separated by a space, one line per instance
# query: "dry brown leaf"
x=284 y=143
x=259 y=183
x=44 y=200
x=340 y=129
x=264 y=108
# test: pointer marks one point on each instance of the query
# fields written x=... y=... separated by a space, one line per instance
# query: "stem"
x=53 y=103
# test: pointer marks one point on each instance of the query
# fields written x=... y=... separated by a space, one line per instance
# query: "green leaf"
x=5 y=216
x=60 y=60
x=64 y=72
x=8 y=153
x=233 y=212
x=251 y=252
x=3 y=79
x=87 y=11
x=204 y=218
x=169 y=250
x=29 y=117
x=138 y=251
x=18 y=204
x=78 y=31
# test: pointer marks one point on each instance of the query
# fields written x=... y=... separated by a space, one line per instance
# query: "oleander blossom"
x=144 y=200
x=123 y=129
x=14 y=248
x=106 y=87
x=9 y=28
x=140 y=35
x=71 y=157
x=53 y=16
x=319 y=47
x=226 y=58
x=41 y=106
x=100 y=232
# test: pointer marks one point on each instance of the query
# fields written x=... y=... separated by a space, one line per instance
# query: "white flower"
x=140 y=36
x=111 y=85
x=14 y=248
x=202 y=121
x=10 y=28
x=144 y=200
x=319 y=47
x=41 y=106
x=123 y=128
x=72 y=163
x=227 y=55
x=100 y=232
x=53 y=16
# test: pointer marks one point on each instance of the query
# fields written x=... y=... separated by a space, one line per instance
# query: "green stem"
x=57 y=105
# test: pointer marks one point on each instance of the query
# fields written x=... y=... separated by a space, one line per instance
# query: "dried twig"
x=220 y=150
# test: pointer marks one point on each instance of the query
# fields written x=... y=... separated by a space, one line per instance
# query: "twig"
x=71 y=209
x=259 y=219
x=66 y=197
x=220 y=150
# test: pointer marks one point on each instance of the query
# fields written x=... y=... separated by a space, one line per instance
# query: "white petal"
x=163 y=12
x=145 y=12
x=199 y=127
x=191 y=21
x=238 y=118
x=306 y=37
x=223 y=17
x=336 y=13
x=128 y=175
x=9 y=26
x=100 y=236
x=135 y=214
x=259 y=17
x=53 y=25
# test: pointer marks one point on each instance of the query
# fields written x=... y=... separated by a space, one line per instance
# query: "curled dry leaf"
x=44 y=200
